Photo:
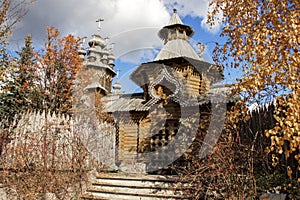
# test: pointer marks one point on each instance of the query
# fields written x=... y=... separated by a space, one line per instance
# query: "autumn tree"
x=11 y=12
x=42 y=80
x=27 y=77
x=262 y=40
x=57 y=66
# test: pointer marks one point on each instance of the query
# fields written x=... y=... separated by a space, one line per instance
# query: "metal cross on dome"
x=99 y=23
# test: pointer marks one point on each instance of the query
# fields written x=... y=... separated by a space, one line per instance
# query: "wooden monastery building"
x=179 y=92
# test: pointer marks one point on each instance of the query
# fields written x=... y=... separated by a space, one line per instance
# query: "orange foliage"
x=262 y=39
x=58 y=65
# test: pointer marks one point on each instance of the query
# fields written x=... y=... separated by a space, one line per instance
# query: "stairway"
x=115 y=186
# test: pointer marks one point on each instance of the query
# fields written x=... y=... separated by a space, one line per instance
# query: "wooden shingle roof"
x=176 y=49
x=136 y=102
x=175 y=19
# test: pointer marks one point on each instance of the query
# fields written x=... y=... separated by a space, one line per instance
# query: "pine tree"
x=19 y=90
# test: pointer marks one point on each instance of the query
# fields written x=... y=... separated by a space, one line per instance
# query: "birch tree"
x=262 y=40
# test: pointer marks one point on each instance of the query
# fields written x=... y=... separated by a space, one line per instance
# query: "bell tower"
x=98 y=67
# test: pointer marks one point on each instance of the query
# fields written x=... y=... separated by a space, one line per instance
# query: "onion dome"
x=97 y=40
x=117 y=86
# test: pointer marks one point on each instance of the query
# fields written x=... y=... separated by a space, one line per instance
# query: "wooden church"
x=156 y=127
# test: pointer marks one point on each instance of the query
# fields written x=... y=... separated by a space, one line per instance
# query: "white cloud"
x=211 y=28
x=194 y=8
x=131 y=24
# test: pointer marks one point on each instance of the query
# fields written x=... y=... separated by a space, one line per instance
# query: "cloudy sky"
x=132 y=25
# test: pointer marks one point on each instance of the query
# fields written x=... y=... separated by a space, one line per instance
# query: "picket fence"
x=40 y=140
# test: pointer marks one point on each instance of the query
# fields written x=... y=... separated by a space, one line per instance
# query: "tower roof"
x=175 y=23
x=175 y=19
x=175 y=49
x=176 y=38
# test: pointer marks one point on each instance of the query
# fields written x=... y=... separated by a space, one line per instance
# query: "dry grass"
x=34 y=184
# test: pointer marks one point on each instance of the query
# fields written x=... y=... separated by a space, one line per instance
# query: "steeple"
x=175 y=19
x=176 y=37
x=175 y=29
x=100 y=63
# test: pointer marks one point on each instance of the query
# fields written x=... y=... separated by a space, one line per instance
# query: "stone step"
x=158 y=189
x=135 y=183
x=141 y=180
x=101 y=195
x=124 y=175
x=136 y=186
x=136 y=192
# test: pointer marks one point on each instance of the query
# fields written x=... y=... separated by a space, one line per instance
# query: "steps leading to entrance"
x=136 y=187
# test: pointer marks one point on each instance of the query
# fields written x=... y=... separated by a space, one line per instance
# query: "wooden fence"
x=261 y=119
x=50 y=141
